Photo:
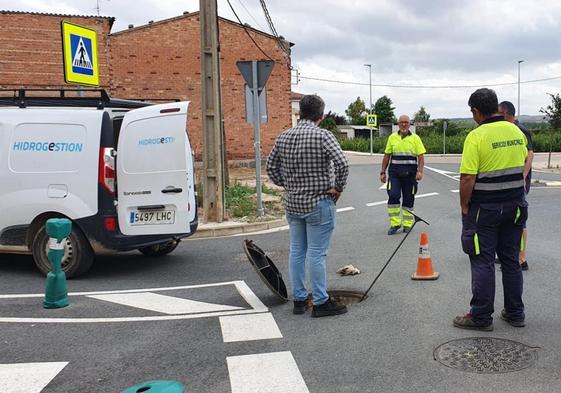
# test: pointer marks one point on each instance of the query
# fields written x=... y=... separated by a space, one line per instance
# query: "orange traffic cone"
x=424 y=263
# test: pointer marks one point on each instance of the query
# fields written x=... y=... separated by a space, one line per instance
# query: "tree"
x=553 y=115
x=355 y=112
x=384 y=109
x=421 y=116
x=328 y=123
x=338 y=119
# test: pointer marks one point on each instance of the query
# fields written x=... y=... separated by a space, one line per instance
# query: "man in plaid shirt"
x=308 y=162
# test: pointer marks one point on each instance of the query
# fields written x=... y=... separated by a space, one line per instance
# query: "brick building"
x=31 y=48
x=159 y=60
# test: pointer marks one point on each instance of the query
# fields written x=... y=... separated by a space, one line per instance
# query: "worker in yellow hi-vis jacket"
x=405 y=155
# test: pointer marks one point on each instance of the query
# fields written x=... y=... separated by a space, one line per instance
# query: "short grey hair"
x=311 y=107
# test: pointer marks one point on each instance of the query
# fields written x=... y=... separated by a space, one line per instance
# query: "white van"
x=122 y=171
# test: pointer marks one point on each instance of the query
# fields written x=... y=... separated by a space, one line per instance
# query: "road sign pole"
x=370 y=140
x=444 y=126
x=257 y=132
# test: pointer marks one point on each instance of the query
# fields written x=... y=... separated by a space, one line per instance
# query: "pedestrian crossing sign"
x=79 y=48
x=371 y=120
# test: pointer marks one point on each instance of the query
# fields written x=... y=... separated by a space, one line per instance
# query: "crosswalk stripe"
x=275 y=372
x=28 y=377
x=163 y=304
x=249 y=327
x=345 y=209
x=377 y=203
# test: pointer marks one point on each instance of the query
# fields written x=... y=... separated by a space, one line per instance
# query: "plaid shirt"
x=307 y=161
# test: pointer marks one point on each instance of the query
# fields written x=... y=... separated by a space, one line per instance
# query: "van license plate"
x=154 y=217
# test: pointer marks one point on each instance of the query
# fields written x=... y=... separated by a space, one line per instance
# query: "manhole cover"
x=485 y=355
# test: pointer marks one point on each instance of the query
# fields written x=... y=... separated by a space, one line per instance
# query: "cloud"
x=441 y=42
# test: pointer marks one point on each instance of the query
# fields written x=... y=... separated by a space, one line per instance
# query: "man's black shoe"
x=299 y=307
x=467 y=322
x=328 y=308
x=406 y=229
x=512 y=322
x=524 y=265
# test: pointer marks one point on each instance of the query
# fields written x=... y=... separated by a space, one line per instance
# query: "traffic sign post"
x=372 y=122
x=79 y=48
x=255 y=74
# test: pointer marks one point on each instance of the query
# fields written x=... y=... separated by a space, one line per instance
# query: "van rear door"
x=155 y=171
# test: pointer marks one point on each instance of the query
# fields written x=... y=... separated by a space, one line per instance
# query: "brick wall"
x=31 y=49
x=162 y=60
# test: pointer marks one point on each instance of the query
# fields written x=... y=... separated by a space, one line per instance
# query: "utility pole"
x=213 y=139
x=370 y=107
x=518 y=108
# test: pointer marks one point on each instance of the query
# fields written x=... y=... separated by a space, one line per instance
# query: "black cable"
x=428 y=86
x=247 y=32
x=250 y=15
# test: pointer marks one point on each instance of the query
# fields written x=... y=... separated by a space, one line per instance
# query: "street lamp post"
x=518 y=108
x=370 y=92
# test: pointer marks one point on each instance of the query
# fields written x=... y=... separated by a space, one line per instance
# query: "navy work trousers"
x=402 y=185
x=491 y=228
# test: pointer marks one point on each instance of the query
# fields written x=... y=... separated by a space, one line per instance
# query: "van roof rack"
x=87 y=98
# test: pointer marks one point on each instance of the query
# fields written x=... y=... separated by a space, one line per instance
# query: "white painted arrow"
x=28 y=377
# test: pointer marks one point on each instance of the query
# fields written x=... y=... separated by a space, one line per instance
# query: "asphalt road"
x=247 y=340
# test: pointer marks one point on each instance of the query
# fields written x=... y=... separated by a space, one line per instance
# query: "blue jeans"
x=309 y=239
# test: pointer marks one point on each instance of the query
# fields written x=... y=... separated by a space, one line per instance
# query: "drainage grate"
x=485 y=355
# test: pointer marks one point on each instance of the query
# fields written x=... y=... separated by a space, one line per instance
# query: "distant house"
x=357 y=131
x=295 y=105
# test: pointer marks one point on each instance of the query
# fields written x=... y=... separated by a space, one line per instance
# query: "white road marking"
x=249 y=327
x=426 y=195
x=275 y=372
x=416 y=196
x=445 y=173
x=377 y=203
x=28 y=377
x=455 y=191
x=383 y=186
x=243 y=289
x=163 y=304
x=345 y=209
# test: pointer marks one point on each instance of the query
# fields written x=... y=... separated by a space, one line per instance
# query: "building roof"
x=294 y=96
x=187 y=14
x=8 y=12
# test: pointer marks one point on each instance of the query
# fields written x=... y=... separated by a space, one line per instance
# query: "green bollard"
x=156 y=387
x=56 y=294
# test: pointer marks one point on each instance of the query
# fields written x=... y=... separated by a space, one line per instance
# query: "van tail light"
x=110 y=224
x=107 y=169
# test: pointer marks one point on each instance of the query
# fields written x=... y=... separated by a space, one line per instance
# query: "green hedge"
x=454 y=143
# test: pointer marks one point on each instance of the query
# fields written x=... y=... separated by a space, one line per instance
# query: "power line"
x=427 y=86
x=280 y=42
x=247 y=32
x=250 y=15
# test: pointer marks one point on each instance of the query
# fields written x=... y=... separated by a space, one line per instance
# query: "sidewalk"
x=229 y=228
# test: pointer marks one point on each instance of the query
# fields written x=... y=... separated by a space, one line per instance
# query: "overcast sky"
x=408 y=42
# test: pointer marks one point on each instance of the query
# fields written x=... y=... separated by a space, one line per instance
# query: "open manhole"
x=346 y=297
x=486 y=355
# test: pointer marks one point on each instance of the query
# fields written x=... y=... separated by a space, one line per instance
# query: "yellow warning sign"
x=372 y=120
x=79 y=48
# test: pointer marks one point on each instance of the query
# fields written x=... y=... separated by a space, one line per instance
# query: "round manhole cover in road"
x=486 y=355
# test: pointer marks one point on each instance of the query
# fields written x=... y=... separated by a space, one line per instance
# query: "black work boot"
x=512 y=322
x=328 y=308
x=467 y=322
x=299 y=307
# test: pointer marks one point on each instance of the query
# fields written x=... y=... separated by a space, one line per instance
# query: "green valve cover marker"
x=56 y=293
x=156 y=387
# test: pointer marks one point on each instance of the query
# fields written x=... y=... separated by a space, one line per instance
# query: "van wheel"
x=78 y=254
x=158 y=250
